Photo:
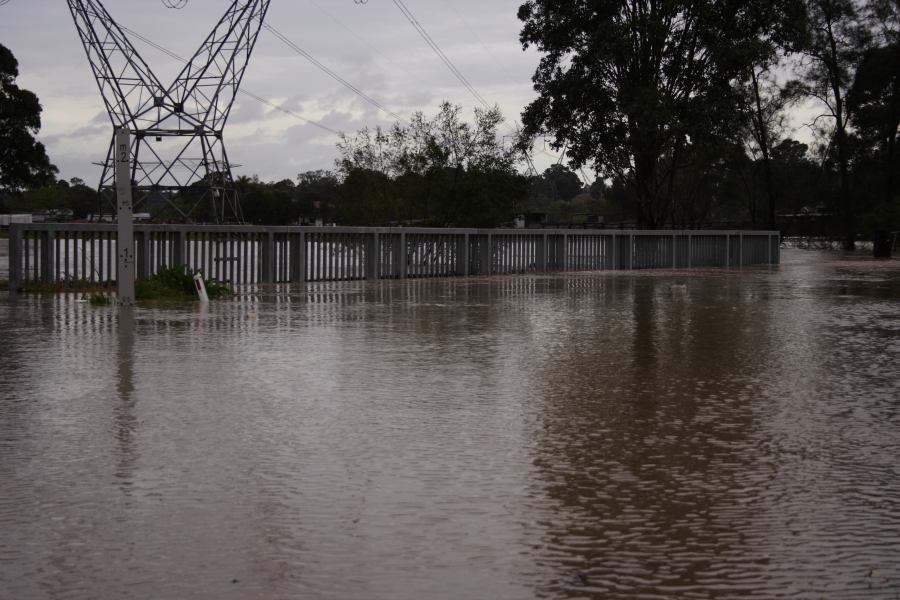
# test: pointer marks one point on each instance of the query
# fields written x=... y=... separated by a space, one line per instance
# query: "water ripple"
x=649 y=435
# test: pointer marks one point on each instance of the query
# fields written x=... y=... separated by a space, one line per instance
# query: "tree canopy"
x=23 y=160
x=436 y=171
x=630 y=86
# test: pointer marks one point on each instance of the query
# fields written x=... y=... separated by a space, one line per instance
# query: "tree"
x=365 y=199
x=838 y=37
x=427 y=170
x=563 y=182
x=23 y=160
x=874 y=103
x=631 y=85
x=267 y=203
x=802 y=185
x=317 y=194
x=764 y=102
x=874 y=98
x=82 y=200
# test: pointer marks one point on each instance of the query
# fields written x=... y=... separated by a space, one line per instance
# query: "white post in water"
x=201 y=289
x=125 y=239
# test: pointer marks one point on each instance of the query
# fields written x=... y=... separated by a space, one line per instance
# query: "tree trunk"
x=832 y=64
x=644 y=177
x=890 y=162
x=763 y=141
x=890 y=176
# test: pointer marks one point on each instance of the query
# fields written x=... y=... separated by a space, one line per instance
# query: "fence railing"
x=86 y=254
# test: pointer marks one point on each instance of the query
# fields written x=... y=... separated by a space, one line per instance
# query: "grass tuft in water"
x=99 y=299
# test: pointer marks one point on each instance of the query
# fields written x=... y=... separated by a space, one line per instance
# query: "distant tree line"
x=677 y=109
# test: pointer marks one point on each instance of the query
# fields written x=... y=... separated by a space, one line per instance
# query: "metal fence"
x=86 y=254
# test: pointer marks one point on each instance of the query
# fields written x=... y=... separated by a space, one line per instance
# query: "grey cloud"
x=371 y=45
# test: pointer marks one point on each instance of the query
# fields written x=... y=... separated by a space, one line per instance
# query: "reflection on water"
x=648 y=435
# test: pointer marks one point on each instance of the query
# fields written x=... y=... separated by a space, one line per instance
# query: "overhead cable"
x=290 y=44
x=440 y=53
x=249 y=94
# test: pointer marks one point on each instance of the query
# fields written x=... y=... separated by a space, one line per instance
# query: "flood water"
x=709 y=434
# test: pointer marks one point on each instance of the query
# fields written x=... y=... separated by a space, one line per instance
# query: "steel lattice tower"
x=176 y=131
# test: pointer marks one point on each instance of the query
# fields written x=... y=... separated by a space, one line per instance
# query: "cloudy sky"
x=371 y=45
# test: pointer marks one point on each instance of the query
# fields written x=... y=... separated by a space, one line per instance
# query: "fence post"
x=372 y=266
x=541 y=251
x=614 y=242
x=462 y=255
x=556 y=244
x=298 y=257
x=267 y=255
x=727 y=250
x=400 y=256
x=178 y=250
x=675 y=251
x=631 y=252
x=15 y=257
x=48 y=266
x=143 y=254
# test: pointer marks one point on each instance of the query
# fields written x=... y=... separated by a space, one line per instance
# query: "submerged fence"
x=86 y=254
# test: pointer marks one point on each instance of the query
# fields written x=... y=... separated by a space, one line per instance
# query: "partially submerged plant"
x=176 y=283
x=99 y=299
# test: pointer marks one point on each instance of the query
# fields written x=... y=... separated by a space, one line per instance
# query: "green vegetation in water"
x=176 y=283
x=99 y=299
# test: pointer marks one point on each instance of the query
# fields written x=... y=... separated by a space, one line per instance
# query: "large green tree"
x=23 y=160
x=637 y=87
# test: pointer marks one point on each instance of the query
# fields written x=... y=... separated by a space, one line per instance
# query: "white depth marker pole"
x=125 y=239
x=201 y=289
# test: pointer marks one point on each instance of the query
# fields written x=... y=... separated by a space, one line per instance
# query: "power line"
x=446 y=60
x=290 y=44
x=449 y=63
x=291 y=113
x=467 y=25
x=249 y=94
x=349 y=30
x=318 y=64
x=440 y=53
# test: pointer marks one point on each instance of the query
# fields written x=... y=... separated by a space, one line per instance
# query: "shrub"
x=99 y=299
x=176 y=283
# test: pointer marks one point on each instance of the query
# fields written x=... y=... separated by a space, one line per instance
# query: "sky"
x=369 y=43
x=372 y=45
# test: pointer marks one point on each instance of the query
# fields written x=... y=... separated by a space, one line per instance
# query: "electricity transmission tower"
x=177 y=130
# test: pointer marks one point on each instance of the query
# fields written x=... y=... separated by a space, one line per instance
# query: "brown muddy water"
x=651 y=435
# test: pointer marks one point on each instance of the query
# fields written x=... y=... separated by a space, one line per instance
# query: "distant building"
x=7 y=220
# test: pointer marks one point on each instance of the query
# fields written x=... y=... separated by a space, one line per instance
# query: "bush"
x=99 y=299
x=175 y=283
